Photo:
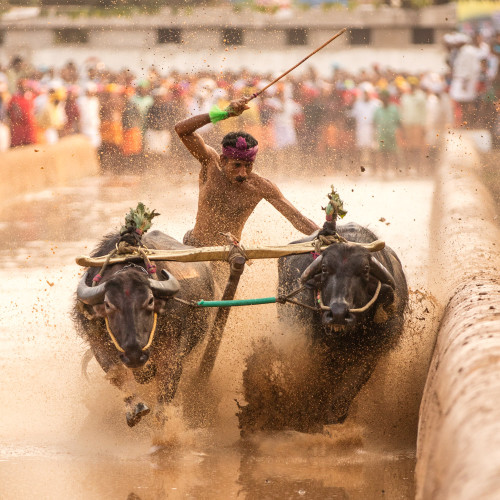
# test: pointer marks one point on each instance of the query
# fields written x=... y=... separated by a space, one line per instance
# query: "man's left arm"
x=275 y=197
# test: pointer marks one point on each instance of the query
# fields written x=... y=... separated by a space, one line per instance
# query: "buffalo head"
x=129 y=302
x=349 y=281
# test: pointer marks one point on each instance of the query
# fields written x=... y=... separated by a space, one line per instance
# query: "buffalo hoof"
x=134 y=417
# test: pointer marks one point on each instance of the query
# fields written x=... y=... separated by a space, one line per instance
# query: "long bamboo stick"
x=216 y=253
x=256 y=94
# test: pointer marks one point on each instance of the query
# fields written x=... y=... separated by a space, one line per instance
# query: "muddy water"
x=63 y=436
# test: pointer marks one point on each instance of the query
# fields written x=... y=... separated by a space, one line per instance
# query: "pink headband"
x=241 y=151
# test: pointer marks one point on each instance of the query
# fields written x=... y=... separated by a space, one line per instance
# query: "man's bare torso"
x=224 y=203
x=224 y=206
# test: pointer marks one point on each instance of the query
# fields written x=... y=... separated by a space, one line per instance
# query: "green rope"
x=231 y=303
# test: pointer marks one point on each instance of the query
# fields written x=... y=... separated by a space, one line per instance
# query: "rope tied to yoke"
x=137 y=222
x=326 y=240
x=328 y=234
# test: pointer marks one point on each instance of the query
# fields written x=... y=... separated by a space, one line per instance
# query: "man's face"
x=237 y=171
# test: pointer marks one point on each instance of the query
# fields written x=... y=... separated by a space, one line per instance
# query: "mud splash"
x=58 y=425
x=280 y=384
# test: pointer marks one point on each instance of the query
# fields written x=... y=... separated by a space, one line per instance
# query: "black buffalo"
x=348 y=332
x=152 y=332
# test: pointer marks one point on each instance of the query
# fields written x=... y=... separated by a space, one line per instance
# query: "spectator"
x=363 y=112
x=157 y=136
x=132 y=123
x=283 y=121
x=413 y=120
x=22 y=116
x=142 y=100
x=72 y=110
x=90 y=122
x=465 y=76
x=387 y=122
x=15 y=72
x=112 y=104
x=52 y=117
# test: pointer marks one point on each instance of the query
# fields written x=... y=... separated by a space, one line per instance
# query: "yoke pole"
x=237 y=266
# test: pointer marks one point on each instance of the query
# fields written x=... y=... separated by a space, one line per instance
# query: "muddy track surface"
x=65 y=437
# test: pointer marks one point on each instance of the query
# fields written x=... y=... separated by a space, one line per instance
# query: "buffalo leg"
x=353 y=377
x=168 y=382
x=120 y=377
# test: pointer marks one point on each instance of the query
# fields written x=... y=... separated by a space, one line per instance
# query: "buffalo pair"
x=356 y=307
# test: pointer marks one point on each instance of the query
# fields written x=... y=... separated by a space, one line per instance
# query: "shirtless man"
x=229 y=189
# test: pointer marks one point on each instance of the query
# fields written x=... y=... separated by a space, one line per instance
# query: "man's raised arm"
x=186 y=129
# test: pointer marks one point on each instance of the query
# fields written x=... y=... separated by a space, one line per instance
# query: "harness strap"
x=370 y=303
x=117 y=345
x=359 y=309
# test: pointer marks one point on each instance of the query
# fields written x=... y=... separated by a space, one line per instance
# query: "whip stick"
x=256 y=94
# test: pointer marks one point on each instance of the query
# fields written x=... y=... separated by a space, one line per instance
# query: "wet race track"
x=64 y=436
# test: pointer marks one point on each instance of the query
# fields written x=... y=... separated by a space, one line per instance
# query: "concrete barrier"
x=458 y=448
x=34 y=168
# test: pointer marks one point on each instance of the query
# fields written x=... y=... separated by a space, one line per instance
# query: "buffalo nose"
x=134 y=359
x=338 y=313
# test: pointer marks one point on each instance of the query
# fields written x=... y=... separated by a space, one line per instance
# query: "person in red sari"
x=72 y=110
x=22 y=116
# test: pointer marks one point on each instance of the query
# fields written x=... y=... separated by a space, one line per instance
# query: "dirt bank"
x=458 y=449
x=30 y=169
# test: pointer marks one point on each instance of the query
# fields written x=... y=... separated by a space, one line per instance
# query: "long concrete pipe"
x=458 y=449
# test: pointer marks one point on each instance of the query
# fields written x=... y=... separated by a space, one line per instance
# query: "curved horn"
x=313 y=269
x=88 y=294
x=380 y=272
x=374 y=246
x=169 y=286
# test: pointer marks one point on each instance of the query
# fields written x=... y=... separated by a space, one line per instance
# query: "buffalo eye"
x=366 y=273
x=108 y=306
x=150 y=303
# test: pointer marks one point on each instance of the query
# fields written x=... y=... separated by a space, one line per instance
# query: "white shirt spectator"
x=363 y=112
x=90 y=122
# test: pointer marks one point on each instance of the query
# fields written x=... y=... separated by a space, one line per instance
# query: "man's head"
x=239 y=150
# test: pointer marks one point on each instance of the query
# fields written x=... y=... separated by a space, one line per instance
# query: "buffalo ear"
x=160 y=306
x=99 y=310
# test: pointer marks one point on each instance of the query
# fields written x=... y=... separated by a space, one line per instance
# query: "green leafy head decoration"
x=138 y=220
x=335 y=207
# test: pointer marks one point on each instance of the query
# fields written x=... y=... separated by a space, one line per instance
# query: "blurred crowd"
x=376 y=117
